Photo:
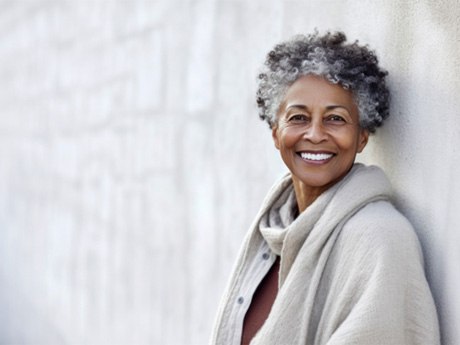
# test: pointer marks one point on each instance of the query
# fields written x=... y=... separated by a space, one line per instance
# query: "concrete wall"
x=132 y=159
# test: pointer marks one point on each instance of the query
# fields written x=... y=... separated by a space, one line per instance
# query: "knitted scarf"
x=327 y=288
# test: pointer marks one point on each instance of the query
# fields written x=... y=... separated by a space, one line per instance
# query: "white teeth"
x=316 y=156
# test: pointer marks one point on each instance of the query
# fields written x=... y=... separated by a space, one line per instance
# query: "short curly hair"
x=353 y=66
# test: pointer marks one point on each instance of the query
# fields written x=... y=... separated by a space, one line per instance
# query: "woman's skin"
x=318 y=135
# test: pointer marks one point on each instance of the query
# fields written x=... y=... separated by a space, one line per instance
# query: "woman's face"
x=317 y=132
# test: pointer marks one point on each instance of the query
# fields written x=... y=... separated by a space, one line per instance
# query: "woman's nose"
x=315 y=132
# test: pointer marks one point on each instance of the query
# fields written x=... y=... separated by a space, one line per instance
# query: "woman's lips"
x=315 y=157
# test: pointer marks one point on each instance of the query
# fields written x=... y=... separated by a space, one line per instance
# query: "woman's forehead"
x=313 y=90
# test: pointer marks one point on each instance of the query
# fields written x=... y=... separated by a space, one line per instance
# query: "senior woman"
x=328 y=259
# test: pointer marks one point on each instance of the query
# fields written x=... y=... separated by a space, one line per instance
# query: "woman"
x=328 y=259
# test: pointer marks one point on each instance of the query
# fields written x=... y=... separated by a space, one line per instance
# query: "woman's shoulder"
x=380 y=228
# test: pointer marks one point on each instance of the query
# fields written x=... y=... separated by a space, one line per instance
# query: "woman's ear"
x=363 y=138
x=275 y=136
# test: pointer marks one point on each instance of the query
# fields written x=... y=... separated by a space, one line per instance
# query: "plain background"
x=133 y=160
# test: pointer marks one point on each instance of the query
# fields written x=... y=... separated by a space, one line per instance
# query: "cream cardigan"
x=351 y=269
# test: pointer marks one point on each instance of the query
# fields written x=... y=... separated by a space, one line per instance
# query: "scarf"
x=327 y=287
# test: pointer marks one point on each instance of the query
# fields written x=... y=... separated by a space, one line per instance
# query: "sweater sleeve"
x=375 y=290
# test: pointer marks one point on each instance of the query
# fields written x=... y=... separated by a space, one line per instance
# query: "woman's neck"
x=304 y=194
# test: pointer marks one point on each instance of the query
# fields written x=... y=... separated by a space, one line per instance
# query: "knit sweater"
x=351 y=269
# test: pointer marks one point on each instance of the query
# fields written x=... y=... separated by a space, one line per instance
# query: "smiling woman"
x=328 y=259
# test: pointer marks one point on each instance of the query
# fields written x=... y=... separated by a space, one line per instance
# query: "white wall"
x=133 y=161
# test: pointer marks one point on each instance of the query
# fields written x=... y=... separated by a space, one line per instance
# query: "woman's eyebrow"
x=304 y=107
x=298 y=106
x=334 y=106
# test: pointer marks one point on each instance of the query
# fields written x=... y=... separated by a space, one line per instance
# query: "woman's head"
x=317 y=133
x=352 y=66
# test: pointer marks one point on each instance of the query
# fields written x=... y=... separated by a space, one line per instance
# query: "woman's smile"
x=315 y=157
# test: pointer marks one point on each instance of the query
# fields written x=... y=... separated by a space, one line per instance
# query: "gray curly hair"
x=352 y=66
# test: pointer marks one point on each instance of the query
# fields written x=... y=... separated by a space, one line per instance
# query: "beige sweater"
x=351 y=269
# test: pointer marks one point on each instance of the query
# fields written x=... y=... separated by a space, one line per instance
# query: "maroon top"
x=261 y=303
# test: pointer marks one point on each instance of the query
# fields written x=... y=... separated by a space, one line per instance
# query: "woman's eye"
x=335 y=118
x=298 y=118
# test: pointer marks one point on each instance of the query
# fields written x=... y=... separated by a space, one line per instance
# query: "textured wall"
x=132 y=159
